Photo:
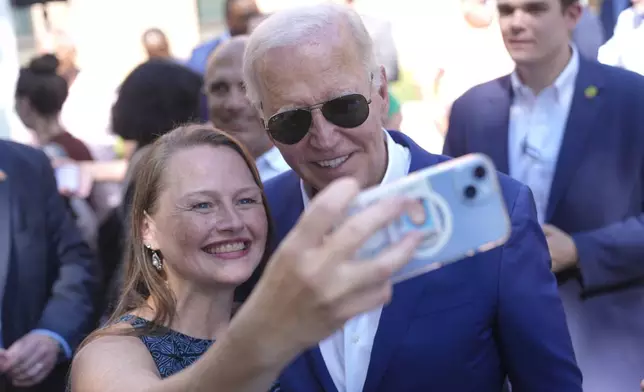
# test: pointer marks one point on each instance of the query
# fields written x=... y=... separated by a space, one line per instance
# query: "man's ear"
x=572 y=14
x=383 y=91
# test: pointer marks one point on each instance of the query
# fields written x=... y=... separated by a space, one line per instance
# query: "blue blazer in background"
x=49 y=280
x=597 y=196
x=464 y=327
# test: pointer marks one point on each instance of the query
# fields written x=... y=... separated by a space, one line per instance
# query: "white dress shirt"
x=347 y=352
x=537 y=126
x=270 y=164
x=626 y=48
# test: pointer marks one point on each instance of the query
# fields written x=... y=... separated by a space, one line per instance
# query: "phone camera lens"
x=470 y=192
x=480 y=172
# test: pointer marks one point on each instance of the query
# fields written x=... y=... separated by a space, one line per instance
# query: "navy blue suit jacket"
x=49 y=279
x=598 y=189
x=464 y=327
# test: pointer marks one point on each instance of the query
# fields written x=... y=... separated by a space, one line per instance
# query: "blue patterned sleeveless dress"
x=173 y=351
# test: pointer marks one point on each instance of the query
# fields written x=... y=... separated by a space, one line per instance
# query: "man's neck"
x=540 y=76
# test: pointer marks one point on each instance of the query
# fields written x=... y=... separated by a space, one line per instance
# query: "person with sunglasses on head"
x=312 y=73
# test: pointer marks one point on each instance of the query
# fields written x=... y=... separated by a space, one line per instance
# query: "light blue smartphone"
x=460 y=209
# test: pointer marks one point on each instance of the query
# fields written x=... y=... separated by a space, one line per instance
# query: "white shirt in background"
x=537 y=126
x=270 y=164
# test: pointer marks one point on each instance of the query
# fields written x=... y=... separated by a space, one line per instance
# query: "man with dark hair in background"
x=573 y=131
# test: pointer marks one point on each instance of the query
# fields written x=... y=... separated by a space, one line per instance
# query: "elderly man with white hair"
x=469 y=326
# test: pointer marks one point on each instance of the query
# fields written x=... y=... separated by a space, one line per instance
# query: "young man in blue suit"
x=573 y=131
x=49 y=280
x=312 y=74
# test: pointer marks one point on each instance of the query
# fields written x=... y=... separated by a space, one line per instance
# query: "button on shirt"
x=347 y=352
x=270 y=164
x=537 y=126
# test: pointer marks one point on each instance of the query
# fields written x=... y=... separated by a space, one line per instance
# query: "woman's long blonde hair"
x=141 y=280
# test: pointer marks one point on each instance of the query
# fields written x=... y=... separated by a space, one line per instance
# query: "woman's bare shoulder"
x=113 y=361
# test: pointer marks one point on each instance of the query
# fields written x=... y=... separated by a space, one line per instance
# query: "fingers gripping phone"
x=459 y=208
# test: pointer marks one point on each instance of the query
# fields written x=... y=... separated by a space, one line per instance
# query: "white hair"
x=303 y=25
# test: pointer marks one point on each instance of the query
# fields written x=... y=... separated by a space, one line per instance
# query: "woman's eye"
x=201 y=206
x=248 y=200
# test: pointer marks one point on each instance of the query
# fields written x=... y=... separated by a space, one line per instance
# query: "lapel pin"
x=590 y=92
x=3 y=175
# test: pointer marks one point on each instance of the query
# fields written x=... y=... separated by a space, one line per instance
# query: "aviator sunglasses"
x=347 y=111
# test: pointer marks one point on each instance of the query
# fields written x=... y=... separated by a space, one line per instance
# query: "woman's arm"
x=237 y=362
x=325 y=288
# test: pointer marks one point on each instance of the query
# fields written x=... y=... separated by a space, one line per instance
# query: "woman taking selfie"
x=199 y=229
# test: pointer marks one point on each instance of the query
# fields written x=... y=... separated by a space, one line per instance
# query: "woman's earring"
x=156 y=259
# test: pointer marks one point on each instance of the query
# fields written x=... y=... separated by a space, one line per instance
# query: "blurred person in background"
x=572 y=129
x=230 y=110
x=40 y=95
x=474 y=54
x=65 y=51
x=609 y=12
x=49 y=281
x=588 y=35
x=312 y=73
x=156 y=44
x=153 y=99
x=626 y=47
x=238 y=15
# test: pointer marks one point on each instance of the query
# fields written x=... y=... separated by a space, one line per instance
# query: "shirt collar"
x=564 y=82
x=274 y=159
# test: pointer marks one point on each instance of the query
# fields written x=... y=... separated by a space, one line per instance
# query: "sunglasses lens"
x=289 y=127
x=348 y=111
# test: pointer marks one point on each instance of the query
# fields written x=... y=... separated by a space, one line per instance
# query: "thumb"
x=548 y=230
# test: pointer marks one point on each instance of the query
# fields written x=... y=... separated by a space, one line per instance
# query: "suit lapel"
x=587 y=102
x=392 y=329
x=5 y=220
x=319 y=369
x=289 y=206
x=495 y=124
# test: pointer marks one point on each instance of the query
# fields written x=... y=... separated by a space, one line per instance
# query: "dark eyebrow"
x=532 y=5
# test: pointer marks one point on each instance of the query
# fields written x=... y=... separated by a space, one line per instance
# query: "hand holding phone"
x=460 y=210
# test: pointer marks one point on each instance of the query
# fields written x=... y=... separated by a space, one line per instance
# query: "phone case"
x=463 y=213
